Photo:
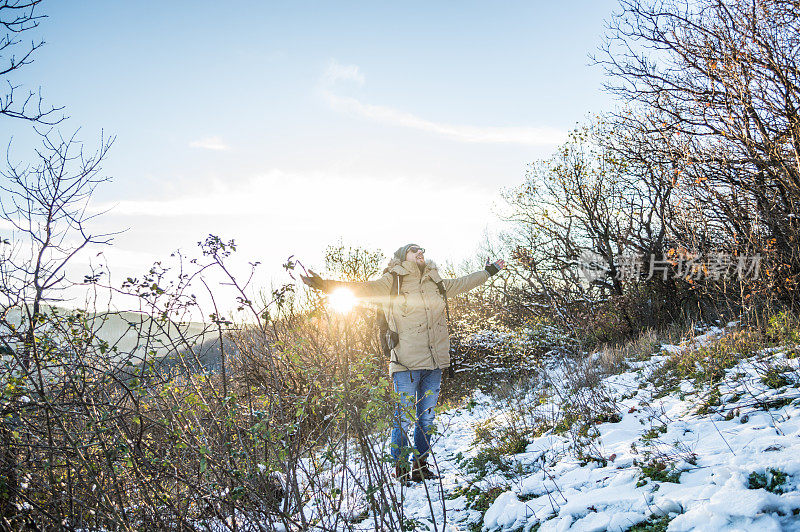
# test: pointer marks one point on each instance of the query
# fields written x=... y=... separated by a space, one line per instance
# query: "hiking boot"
x=402 y=471
x=421 y=471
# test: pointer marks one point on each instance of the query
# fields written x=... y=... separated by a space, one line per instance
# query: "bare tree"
x=718 y=81
x=589 y=203
x=18 y=18
x=353 y=263
x=44 y=205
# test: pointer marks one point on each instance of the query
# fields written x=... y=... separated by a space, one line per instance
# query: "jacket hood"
x=405 y=267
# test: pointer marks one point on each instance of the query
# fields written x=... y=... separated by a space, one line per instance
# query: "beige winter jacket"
x=417 y=313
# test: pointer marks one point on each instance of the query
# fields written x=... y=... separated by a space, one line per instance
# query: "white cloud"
x=318 y=194
x=313 y=209
x=532 y=136
x=210 y=143
x=338 y=72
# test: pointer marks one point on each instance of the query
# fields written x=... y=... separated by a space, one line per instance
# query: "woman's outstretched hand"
x=313 y=280
x=495 y=266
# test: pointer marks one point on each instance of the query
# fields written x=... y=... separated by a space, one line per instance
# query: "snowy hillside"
x=672 y=451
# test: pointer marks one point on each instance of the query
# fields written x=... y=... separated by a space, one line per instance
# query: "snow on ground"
x=712 y=456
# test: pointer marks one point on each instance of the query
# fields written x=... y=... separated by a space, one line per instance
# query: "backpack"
x=389 y=338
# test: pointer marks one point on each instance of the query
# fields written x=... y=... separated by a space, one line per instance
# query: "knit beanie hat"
x=401 y=252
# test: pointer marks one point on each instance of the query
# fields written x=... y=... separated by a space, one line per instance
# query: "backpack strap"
x=434 y=276
x=385 y=311
x=440 y=286
x=397 y=280
x=443 y=293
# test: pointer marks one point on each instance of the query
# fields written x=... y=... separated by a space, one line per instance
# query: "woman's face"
x=416 y=255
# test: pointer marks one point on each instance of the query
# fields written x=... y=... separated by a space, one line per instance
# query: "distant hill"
x=138 y=337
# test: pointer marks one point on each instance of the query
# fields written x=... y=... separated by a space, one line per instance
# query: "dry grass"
x=613 y=355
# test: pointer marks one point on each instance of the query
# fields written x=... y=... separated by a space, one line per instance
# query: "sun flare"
x=342 y=300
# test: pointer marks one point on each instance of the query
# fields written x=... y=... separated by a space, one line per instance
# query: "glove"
x=314 y=281
x=495 y=267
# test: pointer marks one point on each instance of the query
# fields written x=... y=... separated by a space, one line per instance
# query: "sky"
x=289 y=126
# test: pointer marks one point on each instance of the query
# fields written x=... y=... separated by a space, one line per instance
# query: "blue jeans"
x=419 y=391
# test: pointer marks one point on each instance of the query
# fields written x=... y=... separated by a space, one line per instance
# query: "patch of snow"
x=507 y=511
